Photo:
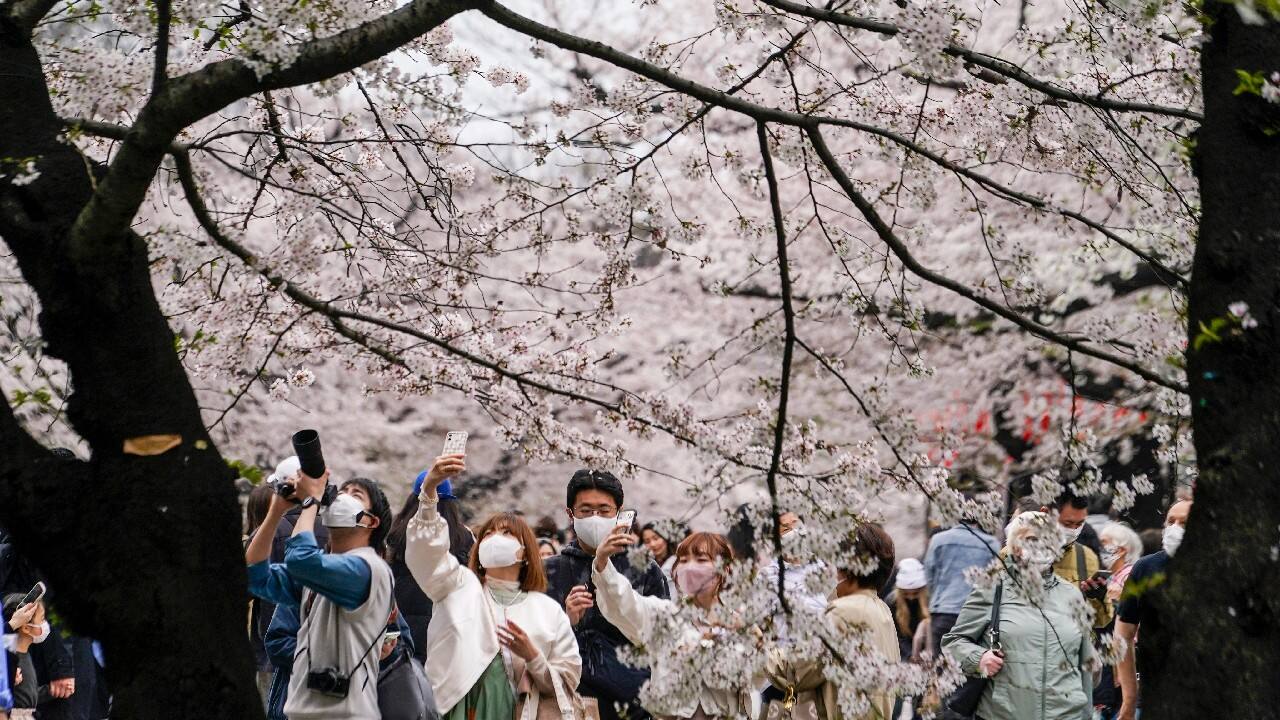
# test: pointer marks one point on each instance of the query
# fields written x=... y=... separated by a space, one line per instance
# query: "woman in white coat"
x=496 y=645
x=699 y=575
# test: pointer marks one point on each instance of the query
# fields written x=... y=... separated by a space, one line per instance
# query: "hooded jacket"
x=1035 y=682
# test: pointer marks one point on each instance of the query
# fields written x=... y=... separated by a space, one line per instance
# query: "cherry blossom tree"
x=807 y=257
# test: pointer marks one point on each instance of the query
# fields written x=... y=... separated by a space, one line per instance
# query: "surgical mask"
x=1109 y=557
x=44 y=634
x=344 y=512
x=695 y=577
x=791 y=541
x=499 y=551
x=1039 y=559
x=593 y=530
x=1171 y=539
x=1069 y=535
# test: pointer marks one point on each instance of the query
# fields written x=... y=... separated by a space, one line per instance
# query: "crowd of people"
x=360 y=611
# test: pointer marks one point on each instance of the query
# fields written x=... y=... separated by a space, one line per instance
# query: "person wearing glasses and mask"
x=592 y=500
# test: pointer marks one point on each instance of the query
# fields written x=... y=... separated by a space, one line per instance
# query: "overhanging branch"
x=909 y=261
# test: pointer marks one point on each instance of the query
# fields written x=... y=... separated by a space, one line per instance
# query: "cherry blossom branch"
x=788 y=346
x=188 y=98
x=600 y=51
x=994 y=64
x=910 y=262
x=338 y=316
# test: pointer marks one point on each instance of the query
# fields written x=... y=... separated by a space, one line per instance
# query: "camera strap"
x=337 y=635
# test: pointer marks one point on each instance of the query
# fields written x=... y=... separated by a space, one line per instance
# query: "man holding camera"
x=344 y=596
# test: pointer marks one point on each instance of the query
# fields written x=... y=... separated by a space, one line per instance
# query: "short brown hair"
x=533 y=578
x=871 y=541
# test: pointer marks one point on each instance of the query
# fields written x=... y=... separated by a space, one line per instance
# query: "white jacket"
x=462 y=638
x=634 y=615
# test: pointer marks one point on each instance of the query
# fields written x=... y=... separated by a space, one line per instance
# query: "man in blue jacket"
x=344 y=596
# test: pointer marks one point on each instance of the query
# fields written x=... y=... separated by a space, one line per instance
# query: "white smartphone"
x=390 y=635
x=628 y=518
x=36 y=593
x=455 y=443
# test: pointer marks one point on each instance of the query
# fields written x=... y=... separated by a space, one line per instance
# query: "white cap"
x=910 y=575
x=287 y=468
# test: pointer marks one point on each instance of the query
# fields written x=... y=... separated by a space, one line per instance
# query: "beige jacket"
x=859 y=610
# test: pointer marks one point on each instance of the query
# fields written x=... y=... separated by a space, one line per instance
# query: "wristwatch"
x=309 y=502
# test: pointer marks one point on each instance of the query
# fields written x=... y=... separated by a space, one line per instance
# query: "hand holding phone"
x=455 y=443
x=35 y=594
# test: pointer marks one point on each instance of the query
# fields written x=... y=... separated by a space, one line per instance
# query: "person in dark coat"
x=53 y=661
x=415 y=606
x=593 y=499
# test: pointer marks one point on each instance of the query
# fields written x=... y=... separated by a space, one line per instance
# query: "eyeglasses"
x=586 y=512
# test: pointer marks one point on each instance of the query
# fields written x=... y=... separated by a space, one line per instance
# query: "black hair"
x=460 y=540
x=601 y=480
x=1069 y=498
x=379 y=506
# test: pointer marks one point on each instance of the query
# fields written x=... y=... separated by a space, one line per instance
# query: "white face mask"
x=343 y=513
x=592 y=531
x=1109 y=557
x=499 y=551
x=1069 y=535
x=44 y=633
x=1171 y=539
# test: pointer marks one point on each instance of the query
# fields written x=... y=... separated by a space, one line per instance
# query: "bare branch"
x=788 y=347
x=161 y=71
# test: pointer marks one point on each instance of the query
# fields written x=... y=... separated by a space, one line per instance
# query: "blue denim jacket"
x=950 y=553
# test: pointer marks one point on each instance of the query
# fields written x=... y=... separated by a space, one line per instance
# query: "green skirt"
x=491 y=698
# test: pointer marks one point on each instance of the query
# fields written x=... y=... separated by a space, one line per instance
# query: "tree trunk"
x=141 y=551
x=1221 y=603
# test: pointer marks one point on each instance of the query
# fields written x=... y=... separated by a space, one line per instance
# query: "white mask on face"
x=499 y=551
x=593 y=530
x=44 y=633
x=1171 y=539
x=343 y=513
x=1108 y=557
x=1069 y=535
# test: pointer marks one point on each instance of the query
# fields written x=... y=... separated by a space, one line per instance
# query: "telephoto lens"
x=306 y=445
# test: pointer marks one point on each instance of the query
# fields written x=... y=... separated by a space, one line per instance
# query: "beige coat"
x=862 y=609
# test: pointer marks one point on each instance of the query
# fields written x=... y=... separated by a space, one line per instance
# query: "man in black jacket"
x=593 y=500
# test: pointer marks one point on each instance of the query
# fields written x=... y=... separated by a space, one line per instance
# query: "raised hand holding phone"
x=627 y=518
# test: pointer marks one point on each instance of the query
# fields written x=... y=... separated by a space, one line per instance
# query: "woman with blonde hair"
x=498 y=647
x=699 y=572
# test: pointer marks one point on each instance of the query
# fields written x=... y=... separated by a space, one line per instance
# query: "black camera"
x=328 y=681
x=286 y=489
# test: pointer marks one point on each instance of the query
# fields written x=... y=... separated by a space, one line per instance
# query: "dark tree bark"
x=1221 y=602
x=143 y=551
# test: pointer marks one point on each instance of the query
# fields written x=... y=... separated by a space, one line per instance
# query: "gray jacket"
x=1046 y=653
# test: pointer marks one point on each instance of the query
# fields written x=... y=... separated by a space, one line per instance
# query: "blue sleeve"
x=406 y=635
x=6 y=696
x=271 y=582
x=282 y=637
x=343 y=579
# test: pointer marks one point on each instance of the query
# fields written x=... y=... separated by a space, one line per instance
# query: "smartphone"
x=628 y=518
x=36 y=593
x=1103 y=574
x=455 y=443
x=390 y=635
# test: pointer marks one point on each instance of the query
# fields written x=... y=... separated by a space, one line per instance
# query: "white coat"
x=462 y=638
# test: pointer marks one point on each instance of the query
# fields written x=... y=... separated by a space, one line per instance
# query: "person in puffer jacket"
x=1044 y=669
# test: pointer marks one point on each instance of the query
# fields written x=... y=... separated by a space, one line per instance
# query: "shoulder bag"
x=965 y=699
